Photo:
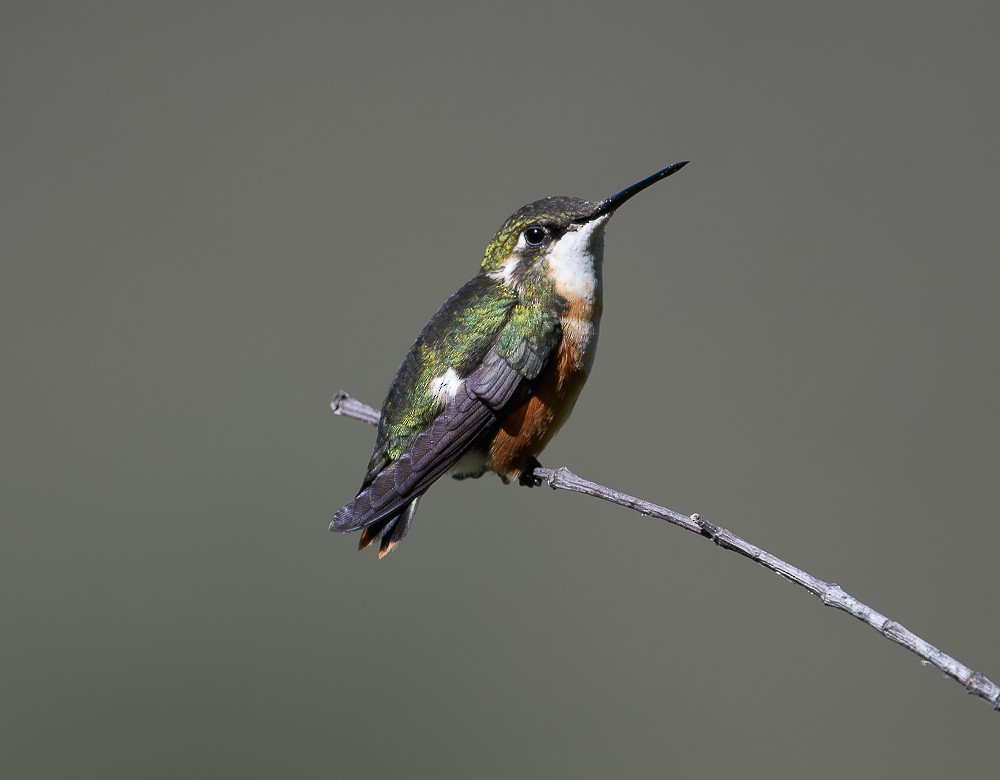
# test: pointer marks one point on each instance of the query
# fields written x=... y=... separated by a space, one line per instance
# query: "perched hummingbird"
x=497 y=370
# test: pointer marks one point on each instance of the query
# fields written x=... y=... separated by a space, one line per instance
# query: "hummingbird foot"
x=527 y=477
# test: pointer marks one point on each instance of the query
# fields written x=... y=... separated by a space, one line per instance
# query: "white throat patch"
x=575 y=261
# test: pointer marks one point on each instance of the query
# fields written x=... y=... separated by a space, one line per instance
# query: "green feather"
x=458 y=337
x=483 y=314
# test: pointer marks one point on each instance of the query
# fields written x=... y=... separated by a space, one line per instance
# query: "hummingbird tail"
x=391 y=530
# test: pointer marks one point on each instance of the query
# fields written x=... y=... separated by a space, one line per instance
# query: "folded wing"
x=467 y=416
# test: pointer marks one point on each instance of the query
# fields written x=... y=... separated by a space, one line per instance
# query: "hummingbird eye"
x=534 y=236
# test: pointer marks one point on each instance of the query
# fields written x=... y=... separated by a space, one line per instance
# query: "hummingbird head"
x=556 y=227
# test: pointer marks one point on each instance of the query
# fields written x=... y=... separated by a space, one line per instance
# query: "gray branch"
x=829 y=593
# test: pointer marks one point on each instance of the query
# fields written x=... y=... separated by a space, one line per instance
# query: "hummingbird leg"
x=528 y=478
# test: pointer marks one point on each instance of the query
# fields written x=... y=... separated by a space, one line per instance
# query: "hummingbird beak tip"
x=609 y=205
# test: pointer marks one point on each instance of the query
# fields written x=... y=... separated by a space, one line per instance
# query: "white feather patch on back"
x=444 y=387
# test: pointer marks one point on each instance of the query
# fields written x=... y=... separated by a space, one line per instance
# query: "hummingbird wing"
x=467 y=416
x=450 y=347
x=516 y=355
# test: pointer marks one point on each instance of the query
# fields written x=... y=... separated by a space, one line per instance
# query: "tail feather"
x=396 y=531
x=390 y=530
x=373 y=532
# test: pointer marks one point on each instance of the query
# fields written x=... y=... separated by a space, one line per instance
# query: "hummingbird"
x=499 y=367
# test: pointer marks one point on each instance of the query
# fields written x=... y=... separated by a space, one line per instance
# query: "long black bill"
x=608 y=205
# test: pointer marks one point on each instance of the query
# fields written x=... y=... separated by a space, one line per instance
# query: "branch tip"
x=338 y=399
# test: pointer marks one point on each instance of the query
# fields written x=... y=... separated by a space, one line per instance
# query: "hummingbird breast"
x=530 y=426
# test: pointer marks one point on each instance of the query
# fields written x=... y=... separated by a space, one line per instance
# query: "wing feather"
x=464 y=419
x=506 y=371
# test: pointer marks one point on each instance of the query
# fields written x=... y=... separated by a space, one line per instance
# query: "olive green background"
x=216 y=215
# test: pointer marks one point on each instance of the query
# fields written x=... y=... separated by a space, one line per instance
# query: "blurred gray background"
x=214 y=216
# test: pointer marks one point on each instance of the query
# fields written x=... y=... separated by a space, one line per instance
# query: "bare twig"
x=829 y=593
x=347 y=405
